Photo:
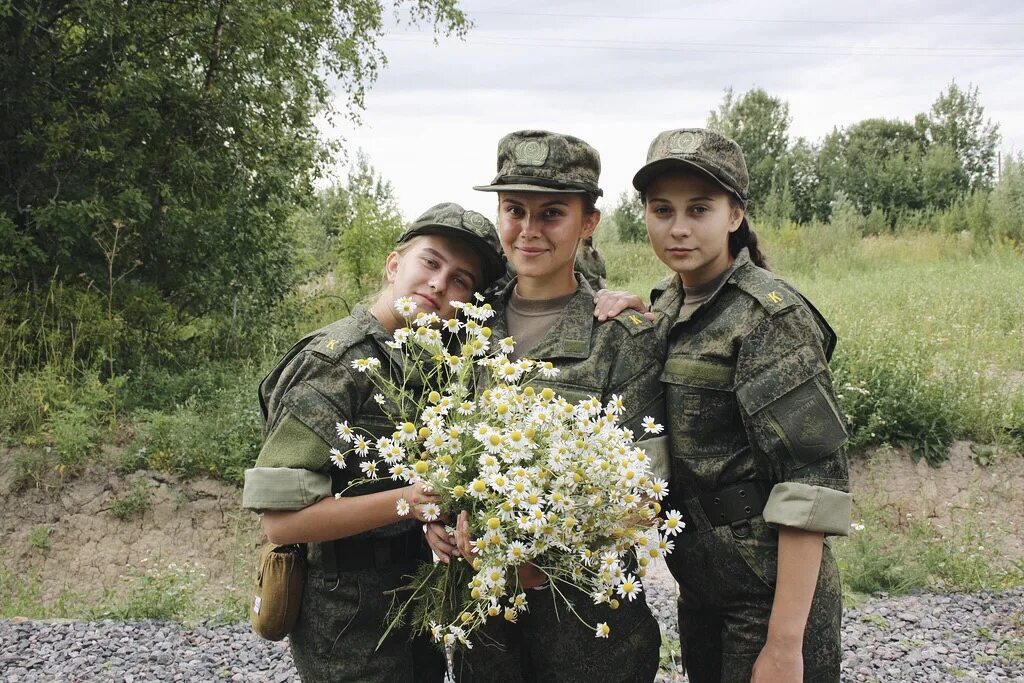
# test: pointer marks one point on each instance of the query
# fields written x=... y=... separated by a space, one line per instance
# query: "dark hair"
x=744 y=236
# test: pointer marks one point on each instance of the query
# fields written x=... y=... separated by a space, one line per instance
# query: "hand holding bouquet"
x=542 y=481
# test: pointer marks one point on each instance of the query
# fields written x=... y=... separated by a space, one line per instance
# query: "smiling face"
x=689 y=219
x=539 y=233
x=434 y=270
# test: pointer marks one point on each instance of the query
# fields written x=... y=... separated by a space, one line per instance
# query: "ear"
x=590 y=222
x=391 y=266
x=736 y=217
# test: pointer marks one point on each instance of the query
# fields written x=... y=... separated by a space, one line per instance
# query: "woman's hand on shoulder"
x=608 y=303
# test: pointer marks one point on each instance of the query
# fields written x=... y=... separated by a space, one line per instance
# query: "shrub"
x=217 y=435
x=133 y=505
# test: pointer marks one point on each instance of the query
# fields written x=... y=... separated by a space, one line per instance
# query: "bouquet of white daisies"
x=544 y=481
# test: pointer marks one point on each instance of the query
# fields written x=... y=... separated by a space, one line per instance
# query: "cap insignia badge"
x=531 y=153
x=685 y=142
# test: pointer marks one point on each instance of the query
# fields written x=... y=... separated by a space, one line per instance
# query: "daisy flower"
x=402 y=507
x=345 y=432
x=405 y=306
x=652 y=427
x=338 y=458
x=603 y=630
x=673 y=523
x=360 y=445
x=629 y=588
x=369 y=469
x=431 y=511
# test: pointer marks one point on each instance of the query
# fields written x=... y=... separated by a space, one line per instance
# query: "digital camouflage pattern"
x=590 y=265
x=699 y=148
x=750 y=397
x=623 y=357
x=304 y=396
x=341 y=622
x=541 y=161
x=549 y=643
x=449 y=218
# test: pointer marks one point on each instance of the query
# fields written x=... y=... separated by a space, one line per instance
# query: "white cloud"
x=616 y=78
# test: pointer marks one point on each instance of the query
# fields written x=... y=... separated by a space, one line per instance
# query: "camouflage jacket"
x=590 y=264
x=750 y=396
x=622 y=356
x=312 y=388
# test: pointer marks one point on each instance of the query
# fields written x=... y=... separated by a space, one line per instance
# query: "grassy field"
x=930 y=329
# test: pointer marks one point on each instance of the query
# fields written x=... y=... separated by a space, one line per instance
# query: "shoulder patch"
x=774 y=294
x=634 y=321
x=337 y=338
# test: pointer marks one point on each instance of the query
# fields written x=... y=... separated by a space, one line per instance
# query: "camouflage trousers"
x=339 y=626
x=549 y=643
x=726 y=579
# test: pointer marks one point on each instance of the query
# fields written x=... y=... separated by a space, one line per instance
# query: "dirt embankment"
x=70 y=538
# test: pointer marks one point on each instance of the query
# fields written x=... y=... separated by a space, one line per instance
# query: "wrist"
x=785 y=637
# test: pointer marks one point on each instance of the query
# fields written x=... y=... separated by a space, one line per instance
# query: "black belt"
x=353 y=554
x=734 y=503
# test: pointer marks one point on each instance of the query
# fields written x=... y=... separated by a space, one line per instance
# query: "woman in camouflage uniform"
x=358 y=547
x=758 y=464
x=547 y=186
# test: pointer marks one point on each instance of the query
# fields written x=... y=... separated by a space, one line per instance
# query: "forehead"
x=456 y=252
x=539 y=198
x=690 y=183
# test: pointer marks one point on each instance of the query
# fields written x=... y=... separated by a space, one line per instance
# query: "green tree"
x=957 y=120
x=875 y=163
x=628 y=217
x=366 y=217
x=1007 y=201
x=759 y=123
x=187 y=127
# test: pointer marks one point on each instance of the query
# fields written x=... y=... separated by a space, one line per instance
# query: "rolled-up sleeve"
x=811 y=508
x=283 y=488
x=292 y=470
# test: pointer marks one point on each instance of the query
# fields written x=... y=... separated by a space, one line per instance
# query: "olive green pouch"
x=278 y=590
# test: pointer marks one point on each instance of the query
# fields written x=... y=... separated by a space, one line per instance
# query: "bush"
x=216 y=435
x=133 y=505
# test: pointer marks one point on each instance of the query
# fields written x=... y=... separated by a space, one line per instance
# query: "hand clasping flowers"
x=545 y=481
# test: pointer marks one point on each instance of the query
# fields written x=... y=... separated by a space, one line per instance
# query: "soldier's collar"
x=741 y=260
x=570 y=336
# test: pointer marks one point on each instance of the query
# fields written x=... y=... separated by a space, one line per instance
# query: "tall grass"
x=930 y=328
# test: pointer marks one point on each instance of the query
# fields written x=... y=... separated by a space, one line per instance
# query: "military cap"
x=541 y=161
x=705 y=150
x=451 y=219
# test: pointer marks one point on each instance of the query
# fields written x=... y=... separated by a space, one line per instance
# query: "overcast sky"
x=617 y=73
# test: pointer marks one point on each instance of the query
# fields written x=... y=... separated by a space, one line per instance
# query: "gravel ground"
x=917 y=638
